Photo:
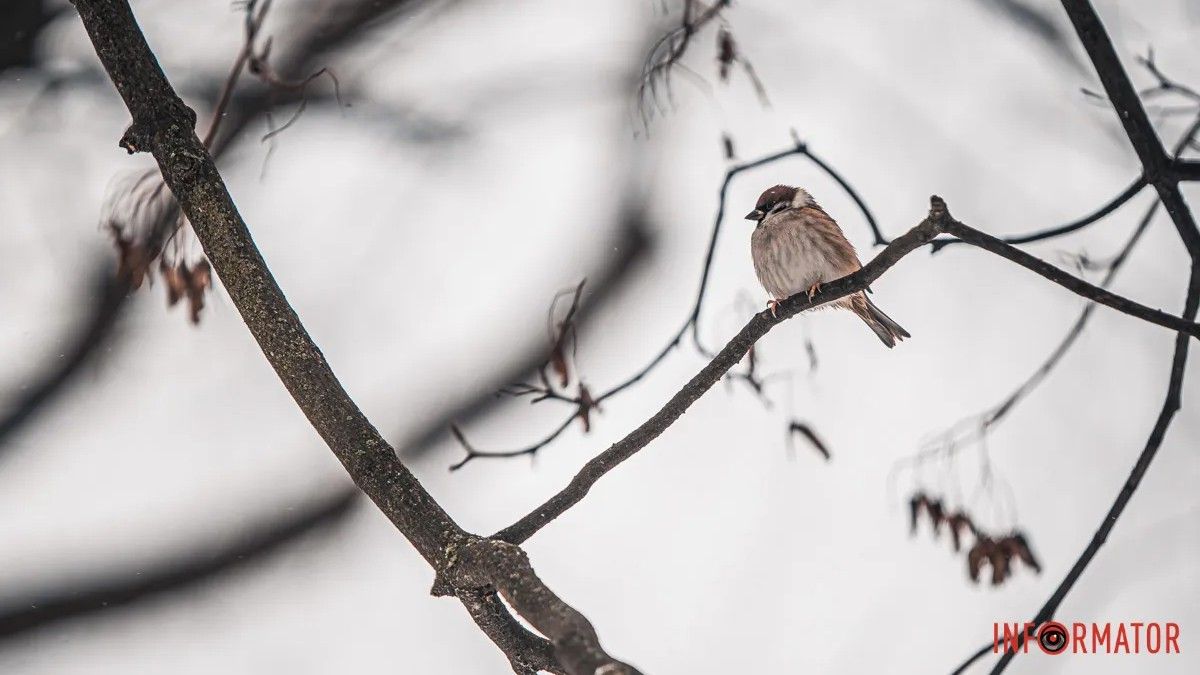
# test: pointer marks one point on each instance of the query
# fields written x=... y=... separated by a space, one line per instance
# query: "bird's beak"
x=755 y=215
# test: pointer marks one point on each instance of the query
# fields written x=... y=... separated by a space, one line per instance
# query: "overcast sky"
x=420 y=234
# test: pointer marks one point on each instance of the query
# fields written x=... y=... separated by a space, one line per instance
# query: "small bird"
x=797 y=247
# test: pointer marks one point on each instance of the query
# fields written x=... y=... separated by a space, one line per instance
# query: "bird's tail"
x=888 y=331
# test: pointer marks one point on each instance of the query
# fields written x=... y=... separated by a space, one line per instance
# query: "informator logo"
x=1052 y=637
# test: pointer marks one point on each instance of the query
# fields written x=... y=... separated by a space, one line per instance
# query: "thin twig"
x=253 y=23
x=1111 y=205
x=667 y=51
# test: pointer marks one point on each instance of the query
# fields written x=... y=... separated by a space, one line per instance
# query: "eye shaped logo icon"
x=1052 y=637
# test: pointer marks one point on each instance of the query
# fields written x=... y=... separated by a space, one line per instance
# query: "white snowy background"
x=422 y=268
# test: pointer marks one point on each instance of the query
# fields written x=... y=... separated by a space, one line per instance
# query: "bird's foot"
x=772 y=305
x=812 y=290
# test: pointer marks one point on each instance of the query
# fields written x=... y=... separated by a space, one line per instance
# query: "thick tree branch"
x=527 y=653
x=505 y=567
x=1157 y=166
x=163 y=125
x=937 y=222
x=1185 y=169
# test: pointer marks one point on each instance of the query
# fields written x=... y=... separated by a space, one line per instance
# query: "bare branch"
x=667 y=51
x=163 y=125
x=1156 y=165
x=1157 y=434
x=1159 y=170
x=1112 y=205
x=505 y=567
x=937 y=222
x=954 y=439
x=1072 y=283
x=1186 y=169
x=337 y=25
x=528 y=654
x=692 y=322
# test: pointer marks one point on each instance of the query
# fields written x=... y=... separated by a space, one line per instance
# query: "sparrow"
x=796 y=247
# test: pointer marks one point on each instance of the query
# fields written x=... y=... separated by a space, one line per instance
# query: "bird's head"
x=776 y=199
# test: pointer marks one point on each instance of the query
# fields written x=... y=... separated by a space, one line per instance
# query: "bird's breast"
x=789 y=256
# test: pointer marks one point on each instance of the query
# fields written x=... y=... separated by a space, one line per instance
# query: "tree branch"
x=1185 y=169
x=527 y=653
x=1112 y=205
x=164 y=126
x=692 y=322
x=1165 y=416
x=1160 y=170
x=505 y=567
x=1072 y=283
x=937 y=222
x=336 y=26
x=981 y=423
x=1157 y=167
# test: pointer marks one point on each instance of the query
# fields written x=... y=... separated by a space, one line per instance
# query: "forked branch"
x=164 y=126
x=937 y=222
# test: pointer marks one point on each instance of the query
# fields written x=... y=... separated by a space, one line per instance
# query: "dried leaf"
x=936 y=515
x=133 y=262
x=1017 y=546
x=1000 y=565
x=727 y=52
x=199 y=280
x=957 y=523
x=979 y=553
x=173 y=280
x=807 y=432
x=558 y=361
x=915 y=506
x=562 y=331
